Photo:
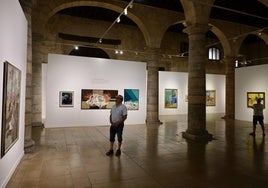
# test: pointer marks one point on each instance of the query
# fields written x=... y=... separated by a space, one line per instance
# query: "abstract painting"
x=131 y=98
x=98 y=98
x=171 y=98
x=11 y=107
x=66 y=98
x=252 y=98
x=210 y=97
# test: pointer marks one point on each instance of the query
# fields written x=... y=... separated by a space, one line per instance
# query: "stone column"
x=229 y=87
x=28 y=142
x=197 y=83
x=39 y=55
x=152 y=117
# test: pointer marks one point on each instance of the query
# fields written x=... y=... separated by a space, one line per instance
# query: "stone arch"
x=109 y=6
x=265 y=2
x=263 y=36
x=222 y=38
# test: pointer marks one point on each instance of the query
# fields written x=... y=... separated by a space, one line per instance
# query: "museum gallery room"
x=134 y=93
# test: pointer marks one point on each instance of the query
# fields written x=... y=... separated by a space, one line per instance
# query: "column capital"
x=153 y=54
x=196 y=28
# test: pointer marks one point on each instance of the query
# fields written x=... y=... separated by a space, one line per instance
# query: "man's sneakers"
x=111 y=153
x=118 y=152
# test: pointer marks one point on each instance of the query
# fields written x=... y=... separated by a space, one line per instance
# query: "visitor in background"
x=258 y=117
x=118 y=115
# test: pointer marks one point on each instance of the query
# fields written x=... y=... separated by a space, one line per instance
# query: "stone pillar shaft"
x=28 y=142
x=197 y=83
x=230 y=87
x=152 y=87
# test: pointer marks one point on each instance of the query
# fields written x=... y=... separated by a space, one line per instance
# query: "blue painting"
x=131 y=99
x=171 y=98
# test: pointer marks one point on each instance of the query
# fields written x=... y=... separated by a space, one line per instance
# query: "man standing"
x=117 y=117
x=258 y=117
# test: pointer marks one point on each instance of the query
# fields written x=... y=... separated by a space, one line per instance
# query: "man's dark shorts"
x=257 y=119
x=116 y=130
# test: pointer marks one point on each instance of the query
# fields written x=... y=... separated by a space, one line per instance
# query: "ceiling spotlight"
x=121 y=52
x=100 y=40
x=116 y=52
x=125 y=11
x=118 y=19
x=76 y=48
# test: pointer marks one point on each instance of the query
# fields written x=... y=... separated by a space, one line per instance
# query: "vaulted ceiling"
x=249 y=12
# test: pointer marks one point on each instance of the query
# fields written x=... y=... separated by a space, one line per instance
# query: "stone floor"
x=151 y=157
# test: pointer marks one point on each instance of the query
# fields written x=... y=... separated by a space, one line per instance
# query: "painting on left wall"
x=11 y=107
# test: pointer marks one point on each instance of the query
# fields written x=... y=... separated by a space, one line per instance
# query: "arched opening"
x=175 y=47
x=214 y=47
x=253 y=51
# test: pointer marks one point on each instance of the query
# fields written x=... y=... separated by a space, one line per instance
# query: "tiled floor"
x=151 y=157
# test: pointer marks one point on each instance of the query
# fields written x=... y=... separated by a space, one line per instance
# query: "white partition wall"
x=179 y=81
x=13 y=48
x=250 y=79
x=72 y=73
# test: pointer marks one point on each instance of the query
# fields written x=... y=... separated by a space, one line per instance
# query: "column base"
x=228 y=117
x=200 y=138
x=29 y=146
x=150 y=122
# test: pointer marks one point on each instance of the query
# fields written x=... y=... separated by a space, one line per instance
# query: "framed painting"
x=11 y=107
x=252 y=98
x=131 y=99
x=171 y=98
x=97 y=98
x=210 y=97
x=66 y=99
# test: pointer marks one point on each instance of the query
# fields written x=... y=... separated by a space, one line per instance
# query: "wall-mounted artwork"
x=131 y=98
x=252 y=98
x=66 y=98
x=98 y=98
x=171 y=98
x=11 y=107
x=210 y=97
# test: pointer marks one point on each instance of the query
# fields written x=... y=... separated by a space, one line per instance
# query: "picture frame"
x=97 y=99
x=252 y=98
x=11 y=107
x=66 y=98
x=131 y=99
x=210 y=97
x=171 y=98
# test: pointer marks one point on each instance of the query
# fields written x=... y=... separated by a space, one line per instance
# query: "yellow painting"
x=252 y=98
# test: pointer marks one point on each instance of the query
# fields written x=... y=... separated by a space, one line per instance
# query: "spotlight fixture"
x=76 y=48
x=118 y=19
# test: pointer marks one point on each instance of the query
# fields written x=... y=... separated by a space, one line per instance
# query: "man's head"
x=259 y=100
x=119 y=99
